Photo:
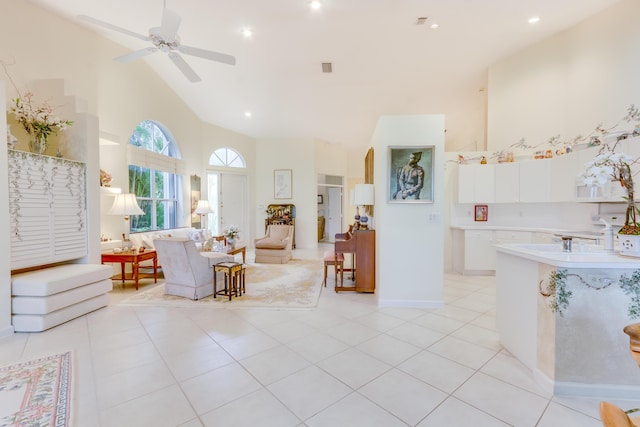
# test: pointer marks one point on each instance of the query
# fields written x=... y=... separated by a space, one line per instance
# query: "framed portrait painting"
x=410 y=177
x=282 y=184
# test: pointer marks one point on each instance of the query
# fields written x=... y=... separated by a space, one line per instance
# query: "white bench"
x=45 y=298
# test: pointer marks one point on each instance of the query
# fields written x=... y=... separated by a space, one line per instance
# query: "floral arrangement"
x=610 y=165
x=37 y=121
x=231 y=232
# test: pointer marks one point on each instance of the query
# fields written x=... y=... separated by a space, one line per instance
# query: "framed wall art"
x=410 y=178
x=482 y=213
x=282 y=184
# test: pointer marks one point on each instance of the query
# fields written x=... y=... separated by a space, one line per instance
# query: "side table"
x=233 y=279
x=134 y=258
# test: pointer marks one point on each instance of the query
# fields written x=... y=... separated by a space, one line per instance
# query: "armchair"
x=187 y=273
x=275 y=247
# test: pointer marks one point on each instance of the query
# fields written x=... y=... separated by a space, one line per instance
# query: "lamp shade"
x=364 y=194
x=125 y=205
x=203 y=208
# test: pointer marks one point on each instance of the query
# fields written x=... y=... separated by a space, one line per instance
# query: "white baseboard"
x=595 y=391
x=410 y=303
x=7 y=331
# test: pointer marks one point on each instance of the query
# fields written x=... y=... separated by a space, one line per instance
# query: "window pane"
x=140 y=181
x=165 y=214
x=142 y=222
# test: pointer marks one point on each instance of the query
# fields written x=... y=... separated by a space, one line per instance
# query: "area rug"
x=37 y=392
x=296 y=284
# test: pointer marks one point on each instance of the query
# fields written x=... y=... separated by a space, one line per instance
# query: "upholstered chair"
x=186 y=271
x=275 y=247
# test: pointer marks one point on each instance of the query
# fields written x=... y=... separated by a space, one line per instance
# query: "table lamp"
x=203 y=208
x=352 y=202
x=364 y=197
x=125 y=205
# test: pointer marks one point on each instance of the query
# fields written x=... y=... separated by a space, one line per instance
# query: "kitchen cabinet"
x=563 y=173
x=534 y=181
x=507 y=182
x=476 y=183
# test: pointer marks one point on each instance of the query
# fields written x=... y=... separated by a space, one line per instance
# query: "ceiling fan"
x=165 y=39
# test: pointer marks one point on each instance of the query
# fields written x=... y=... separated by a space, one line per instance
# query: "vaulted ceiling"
x=384 y=62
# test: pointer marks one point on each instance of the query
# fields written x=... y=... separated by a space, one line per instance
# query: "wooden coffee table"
x=134 y=258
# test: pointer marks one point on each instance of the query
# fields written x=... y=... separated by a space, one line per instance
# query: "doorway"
x=330 y=207
x=228 y=194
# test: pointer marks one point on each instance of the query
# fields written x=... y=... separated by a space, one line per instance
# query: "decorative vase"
x=38 y=143
x=231 y=243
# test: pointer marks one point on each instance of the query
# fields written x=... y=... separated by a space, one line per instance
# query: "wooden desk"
x=134 y=258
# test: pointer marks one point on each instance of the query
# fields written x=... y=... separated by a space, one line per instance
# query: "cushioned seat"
x=187 y=273
x=275 y=247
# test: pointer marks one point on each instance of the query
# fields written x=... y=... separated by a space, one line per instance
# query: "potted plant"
x=609 y=165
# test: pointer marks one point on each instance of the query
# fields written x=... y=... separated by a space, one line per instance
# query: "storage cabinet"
x=507 y=183
x=47 y=205
x=476 y=183
x=534 y=181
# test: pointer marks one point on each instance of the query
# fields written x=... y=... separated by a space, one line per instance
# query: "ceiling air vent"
x=327 y=67
x=421 y=21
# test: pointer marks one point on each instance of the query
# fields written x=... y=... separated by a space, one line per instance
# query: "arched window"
x=227 y=157
x=152 y=178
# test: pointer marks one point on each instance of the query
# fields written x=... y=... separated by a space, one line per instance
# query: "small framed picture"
x=482 y=213
x=282 y=184
x=320 y=199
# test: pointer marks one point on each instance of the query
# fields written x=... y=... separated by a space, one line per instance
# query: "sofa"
x=275 y=246
x=146 y=238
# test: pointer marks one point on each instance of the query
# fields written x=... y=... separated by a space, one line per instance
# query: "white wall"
x=409 y=237
x=569 y=83
x=5 y=268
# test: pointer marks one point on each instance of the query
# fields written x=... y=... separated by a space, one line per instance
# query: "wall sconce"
x=364 y=196
x=203 y=208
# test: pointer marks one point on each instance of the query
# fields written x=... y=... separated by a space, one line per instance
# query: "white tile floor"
x=346 y=363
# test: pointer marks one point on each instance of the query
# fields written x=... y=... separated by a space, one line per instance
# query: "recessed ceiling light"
x=247 y=32
x=315 y=4
x=434 y=26
x=534 y=20
x=247 y=113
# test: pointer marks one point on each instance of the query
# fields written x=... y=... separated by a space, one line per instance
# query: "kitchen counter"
x=581 y=351
x=578 y=234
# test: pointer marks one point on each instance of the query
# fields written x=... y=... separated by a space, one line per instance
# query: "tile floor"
x=346 y=363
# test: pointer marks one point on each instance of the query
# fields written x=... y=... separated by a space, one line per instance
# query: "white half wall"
x=410 y=238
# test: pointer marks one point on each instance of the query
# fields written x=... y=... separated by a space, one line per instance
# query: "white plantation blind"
x=47 y=206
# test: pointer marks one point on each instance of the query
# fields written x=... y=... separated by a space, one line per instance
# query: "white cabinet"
x=563 y=173
x=479 y=254
x=534 y=181
x=47 y=204
x=476 y=183
x=513 y=236
x=507 y=177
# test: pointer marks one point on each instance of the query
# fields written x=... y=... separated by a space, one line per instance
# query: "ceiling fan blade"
x=184 y=67
x=208 y=54
x=136 y=54
x=112 y=27
x=170 y=24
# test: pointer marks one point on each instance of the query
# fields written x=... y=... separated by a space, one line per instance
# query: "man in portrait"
x=410 y=178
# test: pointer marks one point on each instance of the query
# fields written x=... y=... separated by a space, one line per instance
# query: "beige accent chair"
x=275 y=247
x=187 y=273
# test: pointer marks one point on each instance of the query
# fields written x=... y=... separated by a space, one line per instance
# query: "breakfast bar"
x=577 y=349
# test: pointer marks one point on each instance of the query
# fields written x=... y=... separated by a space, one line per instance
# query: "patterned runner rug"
x=296 y=284
x=37 y=392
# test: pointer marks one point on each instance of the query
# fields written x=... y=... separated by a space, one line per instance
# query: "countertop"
x=582 y=256
x=579 y=234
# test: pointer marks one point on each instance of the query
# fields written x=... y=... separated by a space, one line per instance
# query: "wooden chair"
x=612 y=416
x=337 y=260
